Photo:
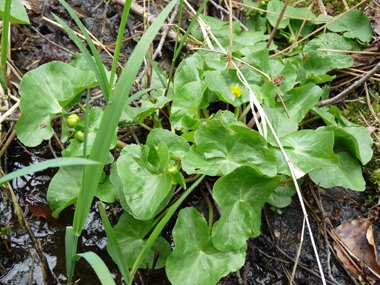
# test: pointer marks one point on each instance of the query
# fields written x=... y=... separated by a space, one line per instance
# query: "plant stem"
x=245 y=112
x=82 y=107
x=4 y=45
x=191 y=179
x=210 y=211
x=145 y=126
x=308 y=121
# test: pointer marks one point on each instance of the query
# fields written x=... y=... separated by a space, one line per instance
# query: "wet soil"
x=16 y=256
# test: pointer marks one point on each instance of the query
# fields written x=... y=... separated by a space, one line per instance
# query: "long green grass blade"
x=113 y=246
x=192 y=23
x=97 y=68
x=4 y=45
x=111 y=118
x=57 y=162
x=98 y=265
x=119 y=40
x=178 y=50
x=70 y=251
x=158 y=229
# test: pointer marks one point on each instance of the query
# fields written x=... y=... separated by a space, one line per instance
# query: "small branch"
x=344 y=93
x=277 y=24
x=165 y=33
x=217 y=6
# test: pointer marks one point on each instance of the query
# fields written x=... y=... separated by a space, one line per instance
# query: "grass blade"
x=4 y=45
x=178 y=50
x=98 y=265
x=97 y=68
x=119 y=40
x=70 y=249
x=57 y=162
x=113 y=246
x=161 y=226
x=111 y=118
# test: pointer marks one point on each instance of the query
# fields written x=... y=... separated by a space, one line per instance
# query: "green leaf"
x=80 y=62
x=195 y=261
x=299 y=100
x=44 y=92
x=130 y=234
x=241 y=194
x=71 y=178
x=76 y=147
x=348 y=174
x=187 y=102
x=308 y=150
x=134 y=115
x=282 y=196
x=113 y=246
x=276 y=6
x=221 y=82
x=222 y=148
x=221 y=29
x=176 y=145
x=357 y=140
x=18 y=13
x=280 y=123
x=186 y=73
x=335 y=42
x=355 y=24
x=58 y=162
x=98 y=265
x=145 y=185
x=106 y=192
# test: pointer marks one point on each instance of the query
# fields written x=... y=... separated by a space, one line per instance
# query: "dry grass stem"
x=318 y=30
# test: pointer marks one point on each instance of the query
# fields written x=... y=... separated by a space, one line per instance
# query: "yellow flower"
x=236 y=90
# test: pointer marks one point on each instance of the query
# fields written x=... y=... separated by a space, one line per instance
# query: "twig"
x=277 y=24
x=134 y=135
x=327 y=244
x=165 y=33
x=58 y=141
x=28 y=152
x=139 y=12
x=53 y=43
x=217 y=6
x=32 y=268
x=368 y=125
x=303 y=23
x=274 y=13
x=104 y=21
x=9 y=112
x=299 y=250
x=303 y=266
x=369 y=104
x=322 y=7
x=7 y=143
x=349 y=51
x=344 y=93
x=51 y=149
x=317 y=30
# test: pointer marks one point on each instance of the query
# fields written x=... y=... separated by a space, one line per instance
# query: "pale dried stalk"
x=318 y=30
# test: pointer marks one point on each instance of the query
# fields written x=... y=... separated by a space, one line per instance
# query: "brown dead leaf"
x=357 y=236
x=366 y=59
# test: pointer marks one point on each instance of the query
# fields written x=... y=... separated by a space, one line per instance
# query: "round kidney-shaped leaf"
x=195 y=260
x=44 y=92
